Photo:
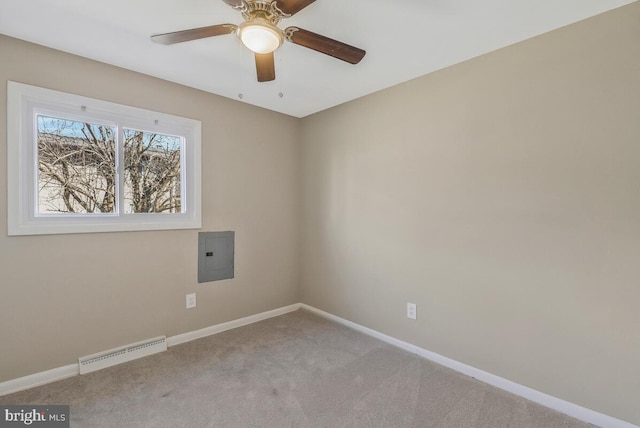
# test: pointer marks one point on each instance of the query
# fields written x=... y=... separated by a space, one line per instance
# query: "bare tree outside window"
x=152 y=172
x=77 y=169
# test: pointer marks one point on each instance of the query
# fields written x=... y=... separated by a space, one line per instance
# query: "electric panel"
x=215 y=255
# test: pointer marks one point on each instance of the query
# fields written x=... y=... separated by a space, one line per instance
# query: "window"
x=78 y=164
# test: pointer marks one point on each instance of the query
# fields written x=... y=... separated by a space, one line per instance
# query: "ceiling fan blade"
x=265 y=67
x=291 y=7
x=193 y=34
x=323 y=44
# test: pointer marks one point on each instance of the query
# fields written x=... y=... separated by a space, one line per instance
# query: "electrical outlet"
x=191 y=300
x=412 y=311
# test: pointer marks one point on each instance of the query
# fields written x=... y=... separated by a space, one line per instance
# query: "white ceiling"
x=404 y=39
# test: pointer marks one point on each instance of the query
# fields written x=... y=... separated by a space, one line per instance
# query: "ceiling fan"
x=260 y=33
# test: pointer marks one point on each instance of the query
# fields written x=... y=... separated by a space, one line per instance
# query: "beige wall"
x=66 y=296
x=501 y=195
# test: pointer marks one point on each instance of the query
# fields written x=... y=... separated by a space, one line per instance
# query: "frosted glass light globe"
x=260 y=36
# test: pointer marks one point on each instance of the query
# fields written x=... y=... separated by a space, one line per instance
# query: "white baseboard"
x=38 y=379
x=571 y=409
x=562 y=406
x=219 y=328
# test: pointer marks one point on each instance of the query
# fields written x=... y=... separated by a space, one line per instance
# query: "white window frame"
x=25 y=102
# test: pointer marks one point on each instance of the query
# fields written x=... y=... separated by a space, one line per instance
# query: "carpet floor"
x=295 y=370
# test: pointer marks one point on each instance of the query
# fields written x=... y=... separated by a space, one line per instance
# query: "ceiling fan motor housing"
x=266 y=9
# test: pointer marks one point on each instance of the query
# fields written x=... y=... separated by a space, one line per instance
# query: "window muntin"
x=159 y=189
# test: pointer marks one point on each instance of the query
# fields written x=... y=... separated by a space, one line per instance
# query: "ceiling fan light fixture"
x=260 y=33
x=260 y=36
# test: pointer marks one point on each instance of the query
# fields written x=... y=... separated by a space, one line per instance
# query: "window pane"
x=76 y=167
x=152 y=172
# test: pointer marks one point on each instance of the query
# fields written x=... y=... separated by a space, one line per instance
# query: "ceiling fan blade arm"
x=194 y=34
x=291 y=7
x=265 y=67
x=325 y=45
x=237 y=4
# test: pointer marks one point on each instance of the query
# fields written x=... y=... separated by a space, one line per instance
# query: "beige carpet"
x=296 y=370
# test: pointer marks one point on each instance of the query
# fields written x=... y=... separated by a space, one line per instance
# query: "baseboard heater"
x=109 y=358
